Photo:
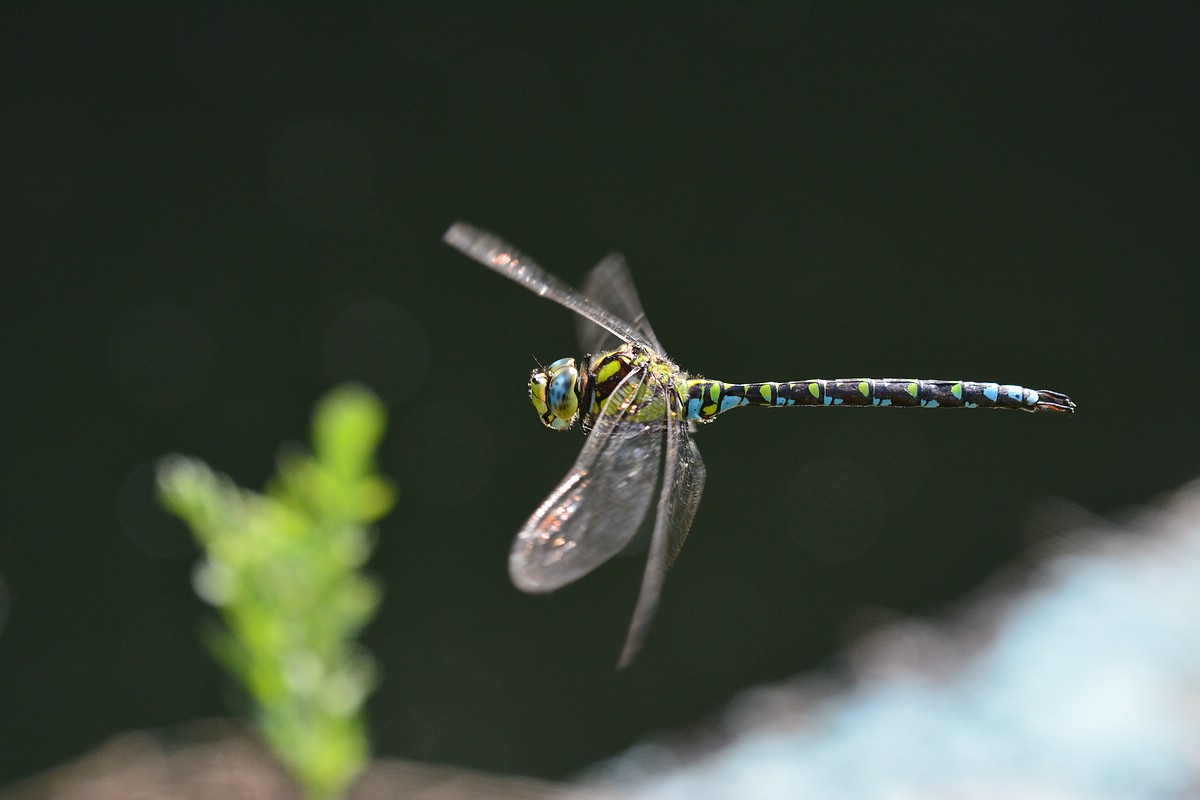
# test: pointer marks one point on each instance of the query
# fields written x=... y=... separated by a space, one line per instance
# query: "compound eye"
x=554 y=394
x=562 y=397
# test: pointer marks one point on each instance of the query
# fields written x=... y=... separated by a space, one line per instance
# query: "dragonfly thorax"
x=555 y=391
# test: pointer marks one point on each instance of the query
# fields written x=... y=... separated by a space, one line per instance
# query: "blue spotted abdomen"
x=706 y=399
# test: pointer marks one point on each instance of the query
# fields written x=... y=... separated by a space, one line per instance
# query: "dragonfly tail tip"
x=1054 y=401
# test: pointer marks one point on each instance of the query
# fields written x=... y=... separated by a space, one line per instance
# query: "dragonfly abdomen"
x=706 y=399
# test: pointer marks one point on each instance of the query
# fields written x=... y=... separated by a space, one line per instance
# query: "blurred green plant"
x=283 y=570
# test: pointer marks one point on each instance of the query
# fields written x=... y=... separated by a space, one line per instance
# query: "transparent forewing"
x=497 y=254
x=685 y=496
x=610 y=285
x=598 y=506
x=678 y=499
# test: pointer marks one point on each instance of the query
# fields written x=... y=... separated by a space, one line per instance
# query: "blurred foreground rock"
x=1073 y=677
x=219 y=760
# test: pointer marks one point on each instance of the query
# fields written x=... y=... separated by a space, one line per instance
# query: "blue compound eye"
x=562 y=391
x=561 y=396
x=554 y=395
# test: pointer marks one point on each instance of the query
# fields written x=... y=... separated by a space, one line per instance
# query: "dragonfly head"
x=555 y=392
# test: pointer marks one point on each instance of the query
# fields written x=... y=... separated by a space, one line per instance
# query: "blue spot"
x=728 y=402
x=885 y=402
x=1032 y=397
x=929 y=403
x=828 y=400
x=837 y=401
x=693 y=408
x=991 y=392
x=1015 y=392
x=970 y=405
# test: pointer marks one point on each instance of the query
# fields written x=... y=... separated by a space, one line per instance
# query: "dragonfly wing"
x=500 y=256
x=598 y=507
x=685 y=498
x=678 y=499
x=610 y=285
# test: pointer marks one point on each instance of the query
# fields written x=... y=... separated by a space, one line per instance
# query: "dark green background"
x=212 y=216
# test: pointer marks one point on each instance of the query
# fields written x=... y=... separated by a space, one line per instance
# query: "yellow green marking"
x=608 y=370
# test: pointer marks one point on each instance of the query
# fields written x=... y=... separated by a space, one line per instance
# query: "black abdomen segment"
x=706 y=399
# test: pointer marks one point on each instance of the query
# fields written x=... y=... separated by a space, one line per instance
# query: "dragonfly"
x=639 y=411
